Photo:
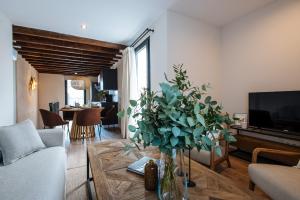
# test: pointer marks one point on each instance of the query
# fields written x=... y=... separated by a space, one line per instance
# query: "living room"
x=243 y=55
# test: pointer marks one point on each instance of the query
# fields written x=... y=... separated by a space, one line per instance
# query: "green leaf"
x=143 y=102
x=187 y=140
x=218 y=151
x=191 y=121
x=156 y=141
x=121 y=114
x=162 y=116
x=207 y=99
x=131 y=128
x=129 y=110
x=196 y=108
x=206 y=141
x=201 y=119
x=133 y=103
x=146 y=138
x=176 y=131
x=232 y=139
x=174 y=141
x=229 y=138
x=163 y=129
x=198 y=131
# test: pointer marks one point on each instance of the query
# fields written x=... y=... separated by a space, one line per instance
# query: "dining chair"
x=51 y=120
x=108 y=115
x=87 y=118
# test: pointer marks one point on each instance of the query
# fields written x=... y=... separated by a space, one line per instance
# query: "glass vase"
x=168 y=186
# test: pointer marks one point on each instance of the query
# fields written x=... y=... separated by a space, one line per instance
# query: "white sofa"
x=38 y=176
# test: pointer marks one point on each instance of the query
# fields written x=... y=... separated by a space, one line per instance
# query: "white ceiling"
x=217 y=12
x=118 y=21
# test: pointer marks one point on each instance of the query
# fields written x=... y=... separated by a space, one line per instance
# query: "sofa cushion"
x=38 y=176
x=52 y=137
x=19 y=140
x=279 y=182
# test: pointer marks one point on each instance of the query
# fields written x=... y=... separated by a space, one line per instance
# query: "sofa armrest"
x=273 y=151
x=52 y=137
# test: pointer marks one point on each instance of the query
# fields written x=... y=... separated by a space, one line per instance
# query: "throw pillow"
x=18 y=141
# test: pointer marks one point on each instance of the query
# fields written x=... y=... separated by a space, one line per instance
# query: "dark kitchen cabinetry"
x=110 y=79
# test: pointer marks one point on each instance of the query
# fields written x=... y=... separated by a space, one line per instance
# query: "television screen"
x=275 y=110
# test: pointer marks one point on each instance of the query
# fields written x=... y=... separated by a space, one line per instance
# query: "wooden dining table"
x=77 y=131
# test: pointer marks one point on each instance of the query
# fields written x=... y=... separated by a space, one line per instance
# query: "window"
x=142 y=53
x=72 y=95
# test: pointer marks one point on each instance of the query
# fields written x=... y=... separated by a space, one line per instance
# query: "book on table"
x=139 y=165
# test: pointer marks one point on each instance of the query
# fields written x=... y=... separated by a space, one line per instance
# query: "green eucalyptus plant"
x=178 y=117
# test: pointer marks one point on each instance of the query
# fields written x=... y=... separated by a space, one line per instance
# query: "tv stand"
x=280 y=134
x=250 y=138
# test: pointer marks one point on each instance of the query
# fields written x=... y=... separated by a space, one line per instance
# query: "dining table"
x=77 y=131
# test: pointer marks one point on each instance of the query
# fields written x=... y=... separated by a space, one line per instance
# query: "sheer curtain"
x=129 y=86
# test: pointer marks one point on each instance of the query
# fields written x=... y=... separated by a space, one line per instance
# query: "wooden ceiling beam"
x=32 y=62
x=48 y=58
x=59 y=54
x=62 y=71
x=68 y=66
x=65 y=37
x=25 y=45
x=57 y=43
x=45 y=55
x=69 y=70
x=65 y=64
x=68 y=73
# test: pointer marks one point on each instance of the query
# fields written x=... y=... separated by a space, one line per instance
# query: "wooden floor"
x=76 y=167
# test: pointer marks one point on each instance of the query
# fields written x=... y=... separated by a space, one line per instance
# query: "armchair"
x=279 y=182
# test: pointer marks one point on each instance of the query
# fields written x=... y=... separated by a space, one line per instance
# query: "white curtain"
x=129 y=86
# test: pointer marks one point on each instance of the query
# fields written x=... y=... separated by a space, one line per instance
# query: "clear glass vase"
x=168 y=187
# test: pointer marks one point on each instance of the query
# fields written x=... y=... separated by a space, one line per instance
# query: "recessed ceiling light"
x=83 y=26
x=75 y=73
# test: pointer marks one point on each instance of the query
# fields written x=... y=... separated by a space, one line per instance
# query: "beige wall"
x=7 y=82
x=261 y=52
x=27 y=100
x=51 y=89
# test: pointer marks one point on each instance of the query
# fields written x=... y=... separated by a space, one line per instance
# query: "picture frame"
x=240 y=118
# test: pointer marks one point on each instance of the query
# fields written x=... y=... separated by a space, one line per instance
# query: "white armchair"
x=279 y=182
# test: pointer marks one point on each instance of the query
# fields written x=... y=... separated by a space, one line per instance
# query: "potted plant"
x=178 y=117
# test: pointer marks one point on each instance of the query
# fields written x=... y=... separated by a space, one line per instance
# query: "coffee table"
x=112 y=181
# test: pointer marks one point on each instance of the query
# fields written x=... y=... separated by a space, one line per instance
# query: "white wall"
x=179 y=39
x=27 y=100
x=196 y=45
x=261 y=52
x=7 y=100
x=158 y=52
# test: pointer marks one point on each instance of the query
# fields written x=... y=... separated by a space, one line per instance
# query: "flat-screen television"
x=275 y=110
